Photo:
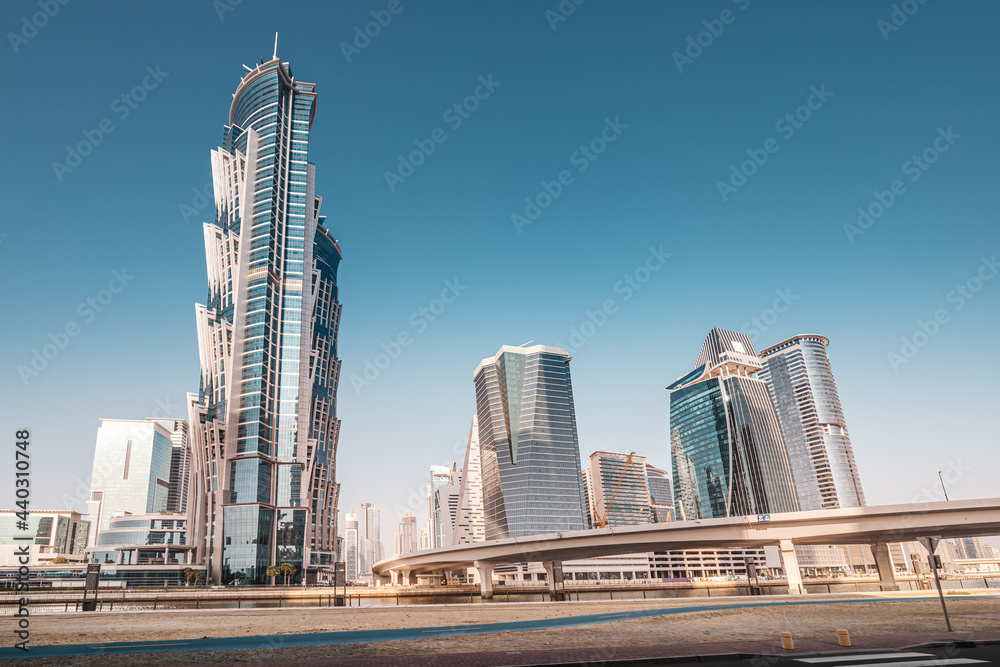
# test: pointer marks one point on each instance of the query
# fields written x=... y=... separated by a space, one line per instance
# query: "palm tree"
x=288 y=570
x=273 y=571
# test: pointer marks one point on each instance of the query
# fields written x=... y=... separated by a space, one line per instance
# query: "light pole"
x=943 y=488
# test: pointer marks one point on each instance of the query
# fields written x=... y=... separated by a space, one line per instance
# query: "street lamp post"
x=943 y=487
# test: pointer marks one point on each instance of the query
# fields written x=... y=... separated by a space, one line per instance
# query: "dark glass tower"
x=264 y=425
x=532 y=481
x=728 y=454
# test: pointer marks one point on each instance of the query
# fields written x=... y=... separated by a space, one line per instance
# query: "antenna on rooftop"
x=275 y=47
x=527 y=344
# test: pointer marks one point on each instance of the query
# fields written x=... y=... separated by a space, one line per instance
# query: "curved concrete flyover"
x=854 y=525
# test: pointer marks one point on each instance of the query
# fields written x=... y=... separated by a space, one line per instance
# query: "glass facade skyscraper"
x=264 y=425
x=728 y=453
x=440 y=478
x=131 y=471
x=798 y=374
x=530 y=452
x=180 y=464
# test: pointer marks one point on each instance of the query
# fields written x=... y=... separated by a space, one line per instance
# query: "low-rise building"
x=143 y=539
x=54 y=535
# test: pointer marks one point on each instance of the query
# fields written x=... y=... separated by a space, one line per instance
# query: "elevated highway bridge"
x=876 y=526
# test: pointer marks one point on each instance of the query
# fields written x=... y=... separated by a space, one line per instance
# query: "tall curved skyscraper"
x=728 y=454
x=798 y=374
x=264 y=424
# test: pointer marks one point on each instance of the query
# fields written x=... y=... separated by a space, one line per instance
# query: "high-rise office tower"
x=621 y=489
x=968 y=548
x=180 y=464
x=440 y=476
x=798 y=375
x=370 y=549
x=470 y=526
x=532 y=482
x=446 y=504
x=661 y=493
x=351 y=546
x=131 y=471
x=425 y=538
x=588 y=498
x=407 y=535
x=370 y=522
x=728 y=453
x=263 y=425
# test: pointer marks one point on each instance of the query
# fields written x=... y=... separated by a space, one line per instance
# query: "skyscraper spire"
x=275 y=56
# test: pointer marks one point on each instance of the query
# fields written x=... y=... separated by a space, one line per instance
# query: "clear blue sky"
x=885 y=96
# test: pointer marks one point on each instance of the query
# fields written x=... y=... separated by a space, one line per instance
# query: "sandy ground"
x=873 y=617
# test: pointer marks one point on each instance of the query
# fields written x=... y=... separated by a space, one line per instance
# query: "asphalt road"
x=982 y=656
x=363 y=636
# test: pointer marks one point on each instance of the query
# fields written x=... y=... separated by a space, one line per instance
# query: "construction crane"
x=602 y=521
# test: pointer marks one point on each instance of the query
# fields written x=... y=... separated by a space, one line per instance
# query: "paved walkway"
x=668 y=652
x=397 y=634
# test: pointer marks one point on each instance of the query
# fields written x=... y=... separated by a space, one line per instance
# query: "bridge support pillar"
x=394 y=576
x=886 y=571
x=790 y=563
x=554 y=576
x=404 y=578
x=485 y=579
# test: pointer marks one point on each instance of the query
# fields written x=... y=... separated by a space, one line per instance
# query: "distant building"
x=440 y=477
x=407 y=535
x=588 y=498
x=446 y=506
x=661 y=492
x=425 y=537
x=372 y=552
x=53 y=534
x=131 y=471
x=620 y=489
x=800 y=380
x=694 y=563
x=351 y=546
x=728 y=452
x=370 y=549
x=157 y=539
x=470 y=525
x=532 y=481
x=180 y=464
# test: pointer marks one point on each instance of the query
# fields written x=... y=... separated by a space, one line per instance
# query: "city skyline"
x=405 y=245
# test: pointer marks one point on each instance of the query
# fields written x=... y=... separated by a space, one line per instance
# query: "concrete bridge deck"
x=876 y=525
